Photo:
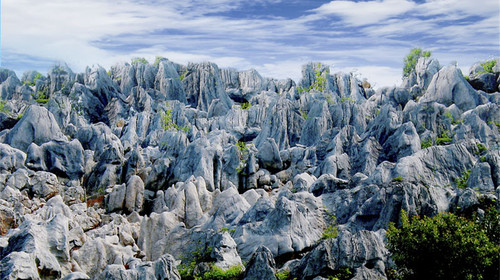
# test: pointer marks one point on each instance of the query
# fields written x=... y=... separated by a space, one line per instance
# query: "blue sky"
x=274 y=37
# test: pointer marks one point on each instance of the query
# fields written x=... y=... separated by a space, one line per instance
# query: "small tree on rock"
x=411 y=60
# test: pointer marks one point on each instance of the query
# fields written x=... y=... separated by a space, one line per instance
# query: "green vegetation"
x=341 y=274
x=139 y=60
x=331 y=230
x=243 y=152
x=168 y=124
x=189 y=271
x=33 y=82
x=246 y=105
x=201 y=254
x=488 y=66
x=461 y=181
x=216 y=273
x=329 y=99
x=398 y=179
x=284 y=275
x=2 y=107
x=482 y=148
x=346 y=99
x=42 y=98
x=157 y=60
x=497 y=124
x=445 y=246
x=183 y=75
x=226 y=229
x=426 y=143
x=449 y=115
x=444 y=138
x=411 y=60
x=319 y=81
x=303 y=114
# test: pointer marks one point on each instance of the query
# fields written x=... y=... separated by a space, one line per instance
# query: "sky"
x=275 y=37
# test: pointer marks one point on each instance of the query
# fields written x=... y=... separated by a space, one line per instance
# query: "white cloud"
x=366 y=12
x=378 y=76
x=379 y=33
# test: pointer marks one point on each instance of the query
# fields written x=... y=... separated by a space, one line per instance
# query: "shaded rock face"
x=37 y=126
x=131 y=172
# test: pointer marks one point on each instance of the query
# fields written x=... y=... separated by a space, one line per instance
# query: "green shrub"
x=444 y=138
x=341 y=274
x=319 y=79
x=139 y=60
x=426 y=143
x=33 y=82
x=226 y=229
x=488 y=65
x=449 y=115
x=157 y=60
x=411 y=59
x=2 y=107
x=42 y=99
x=319 y=83
x=246 y=105
x=216 y=273
x=461 y=181
x=482 y=148
x=303 y=114
x=243 y=152
x=284 y=275
x=183 y=75
x=331 y=230
x=168 y=124
x=398 y=179
x=443 y=247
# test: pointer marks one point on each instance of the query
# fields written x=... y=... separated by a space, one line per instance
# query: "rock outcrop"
x=153 y=171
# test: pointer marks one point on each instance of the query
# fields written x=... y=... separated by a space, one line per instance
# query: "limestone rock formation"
x=153 y=171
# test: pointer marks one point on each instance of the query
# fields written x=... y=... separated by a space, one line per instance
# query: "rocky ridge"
x=127 y=173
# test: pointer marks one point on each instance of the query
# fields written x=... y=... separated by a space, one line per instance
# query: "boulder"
x=11 y=158
x=37 y=125
x=261 y=265
x=269 y=156
x=57 y=156
x=364 y=251
x=448 y=87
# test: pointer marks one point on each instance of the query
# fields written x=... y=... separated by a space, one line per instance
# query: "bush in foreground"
x=445 y=246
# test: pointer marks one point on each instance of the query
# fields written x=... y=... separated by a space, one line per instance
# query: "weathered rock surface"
x=127 y=173
x=37 y=126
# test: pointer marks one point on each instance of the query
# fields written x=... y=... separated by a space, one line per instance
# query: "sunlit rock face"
x=146 y=171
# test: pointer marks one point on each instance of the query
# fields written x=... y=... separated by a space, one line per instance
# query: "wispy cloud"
x=371 y=36
x=364 y=13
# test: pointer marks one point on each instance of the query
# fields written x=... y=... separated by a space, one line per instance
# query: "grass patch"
x=2 y=107
x=444 y=138
x=426 y=143
x=482 y=148
x=398 y=179
x=461 y=182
